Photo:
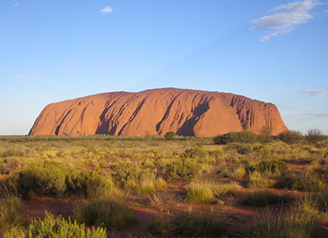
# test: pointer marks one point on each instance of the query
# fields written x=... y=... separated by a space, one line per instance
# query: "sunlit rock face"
x=157 y=111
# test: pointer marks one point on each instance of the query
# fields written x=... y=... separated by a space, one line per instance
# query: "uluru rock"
x=183 y=111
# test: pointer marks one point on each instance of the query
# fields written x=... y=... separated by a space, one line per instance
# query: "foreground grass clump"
x=301 y=221
x=199 y=192
x=208 y=191
x=260 y=198
x=112 y=215
x=182 y=169
x=52 y=227
x=258 y=180
x=11 y=214
x=189 y=225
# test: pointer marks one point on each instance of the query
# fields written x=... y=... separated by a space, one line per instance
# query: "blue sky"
x=273 y=51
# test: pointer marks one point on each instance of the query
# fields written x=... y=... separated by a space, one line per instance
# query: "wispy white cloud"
x=284 y=19
x=289 y=106
x=16 y=4
x=317 y=114
x=281 y=90
x=106 y=10
x=315 y=92
x=24 y=76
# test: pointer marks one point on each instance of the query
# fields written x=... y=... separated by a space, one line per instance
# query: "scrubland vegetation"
x=233 y=185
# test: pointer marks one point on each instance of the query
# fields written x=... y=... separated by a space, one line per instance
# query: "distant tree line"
x=313 y=136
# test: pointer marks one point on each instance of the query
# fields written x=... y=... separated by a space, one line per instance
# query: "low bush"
x=52 y=227
x=182 y=169
x=194 y=153
x=125 y=173
x=260 y=198
x=269 y=167
x=41 y=180
x=170 y=135
x=194 y=225
x=241 y=137
x=54 y=181
x=112 y=215
x=241 y=148
x=88 y=184
x=11 y=214
x=290 y=137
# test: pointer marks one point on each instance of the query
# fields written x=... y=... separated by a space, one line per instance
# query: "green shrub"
x=54 y=227
x=290 y=137
x=41 y=180
x=194 y=153
x=127 y=172
x=270 y=167
x=112 y=215
x=241 y=148
x=241 y=137
x=260 y=198
x=182 y=169
x=193 y=225
x=88 y=184
x=170 y=135
x=11 y=214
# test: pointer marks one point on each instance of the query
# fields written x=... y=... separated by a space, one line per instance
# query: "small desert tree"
x=314 y=135
x=169 y=135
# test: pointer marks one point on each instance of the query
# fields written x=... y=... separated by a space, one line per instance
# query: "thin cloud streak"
x=24 y=76
x=317 y=114
x=289 y=106
x=284 y=19
x=315 y=92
